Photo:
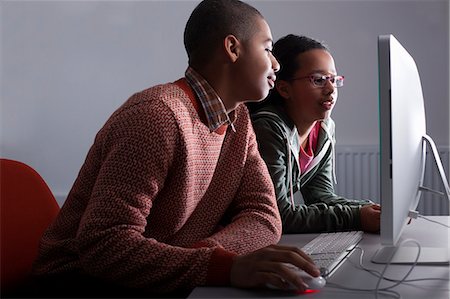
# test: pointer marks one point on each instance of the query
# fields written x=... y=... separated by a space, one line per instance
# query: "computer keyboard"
x=329 y=250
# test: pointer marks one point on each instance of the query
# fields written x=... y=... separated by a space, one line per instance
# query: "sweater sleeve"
x=317 y=216
x=136 y=155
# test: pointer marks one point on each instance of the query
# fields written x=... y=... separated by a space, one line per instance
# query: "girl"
x=295 y=137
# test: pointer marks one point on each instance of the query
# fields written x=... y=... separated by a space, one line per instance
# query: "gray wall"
x=66 y=66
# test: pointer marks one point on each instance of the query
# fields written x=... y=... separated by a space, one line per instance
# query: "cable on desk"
x=381 y=291
x=386 y=290
x=389 y=293
x=390 y=260
x=376 y=273
x=434 y=221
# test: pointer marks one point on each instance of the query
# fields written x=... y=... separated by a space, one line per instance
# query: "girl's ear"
x=283 y=88
x=232 y=47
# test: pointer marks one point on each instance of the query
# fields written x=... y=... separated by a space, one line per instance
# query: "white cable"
x=437 y=222
x=389 y=263
x=381 y=275
x=386 y=290
x=378 y=274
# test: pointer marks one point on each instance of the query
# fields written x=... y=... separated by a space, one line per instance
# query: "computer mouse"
x=313 y=283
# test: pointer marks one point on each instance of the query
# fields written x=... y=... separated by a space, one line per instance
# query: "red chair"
x=27 y=209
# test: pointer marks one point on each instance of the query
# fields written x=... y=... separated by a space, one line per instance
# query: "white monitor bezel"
x=402 y=127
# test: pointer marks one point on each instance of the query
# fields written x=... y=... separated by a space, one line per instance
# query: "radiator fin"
x=358 y=168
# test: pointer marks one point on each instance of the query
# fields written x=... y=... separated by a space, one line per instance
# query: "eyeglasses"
x=320 y=80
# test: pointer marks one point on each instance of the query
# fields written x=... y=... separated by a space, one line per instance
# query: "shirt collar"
x=215 y=111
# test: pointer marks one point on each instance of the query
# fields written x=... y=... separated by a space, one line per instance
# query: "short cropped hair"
x=211 y=21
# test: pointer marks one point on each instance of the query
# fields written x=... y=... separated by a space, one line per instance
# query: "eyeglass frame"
x=327 y=78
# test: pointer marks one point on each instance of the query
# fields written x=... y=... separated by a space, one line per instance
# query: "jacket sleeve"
x=323 y=214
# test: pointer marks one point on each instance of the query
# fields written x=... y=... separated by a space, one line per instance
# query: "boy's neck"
x=217 y=77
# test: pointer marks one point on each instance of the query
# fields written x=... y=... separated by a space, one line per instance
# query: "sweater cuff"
x=219 y=269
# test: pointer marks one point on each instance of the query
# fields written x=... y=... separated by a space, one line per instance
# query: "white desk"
x=425 y=232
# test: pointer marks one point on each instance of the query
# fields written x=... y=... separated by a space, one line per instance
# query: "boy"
x=173 y=193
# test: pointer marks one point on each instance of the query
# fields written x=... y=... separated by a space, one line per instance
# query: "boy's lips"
x=271 y=80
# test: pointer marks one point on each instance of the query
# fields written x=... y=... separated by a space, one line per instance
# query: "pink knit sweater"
x=161 y=202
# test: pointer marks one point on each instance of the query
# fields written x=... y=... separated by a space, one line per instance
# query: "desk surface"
x=428 y=234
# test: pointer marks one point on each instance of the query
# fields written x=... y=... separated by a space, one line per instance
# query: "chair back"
x=27 y=209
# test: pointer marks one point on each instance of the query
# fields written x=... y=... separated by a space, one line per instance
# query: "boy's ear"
x=232 y=47
x=283 y=88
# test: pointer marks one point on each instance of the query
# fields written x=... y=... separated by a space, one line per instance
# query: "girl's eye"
x=319 y=80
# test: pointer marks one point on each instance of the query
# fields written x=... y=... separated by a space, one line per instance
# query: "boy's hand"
x=267 y=266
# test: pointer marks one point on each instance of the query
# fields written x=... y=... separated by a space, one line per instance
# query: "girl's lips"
x=328 y=105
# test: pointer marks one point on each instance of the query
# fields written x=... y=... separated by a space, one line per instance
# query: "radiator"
x=357 y=172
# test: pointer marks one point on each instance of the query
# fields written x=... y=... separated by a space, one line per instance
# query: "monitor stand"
x=428 y=255
x=428 y=140
x=408 y=255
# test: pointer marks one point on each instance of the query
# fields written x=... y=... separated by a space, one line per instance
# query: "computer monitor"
x=403 y=148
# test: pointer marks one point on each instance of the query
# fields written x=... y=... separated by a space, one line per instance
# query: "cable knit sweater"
x=161 y=202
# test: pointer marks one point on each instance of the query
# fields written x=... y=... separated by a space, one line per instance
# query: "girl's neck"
x=303 y=133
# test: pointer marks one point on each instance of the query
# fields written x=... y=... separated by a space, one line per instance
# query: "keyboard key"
x=328 y=250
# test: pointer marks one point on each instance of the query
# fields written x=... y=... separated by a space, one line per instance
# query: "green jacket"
x=317 y=208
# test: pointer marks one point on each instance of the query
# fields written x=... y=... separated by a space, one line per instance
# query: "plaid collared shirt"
x=215 y=111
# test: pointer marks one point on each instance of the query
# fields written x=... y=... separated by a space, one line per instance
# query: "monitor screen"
x=403 y=143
